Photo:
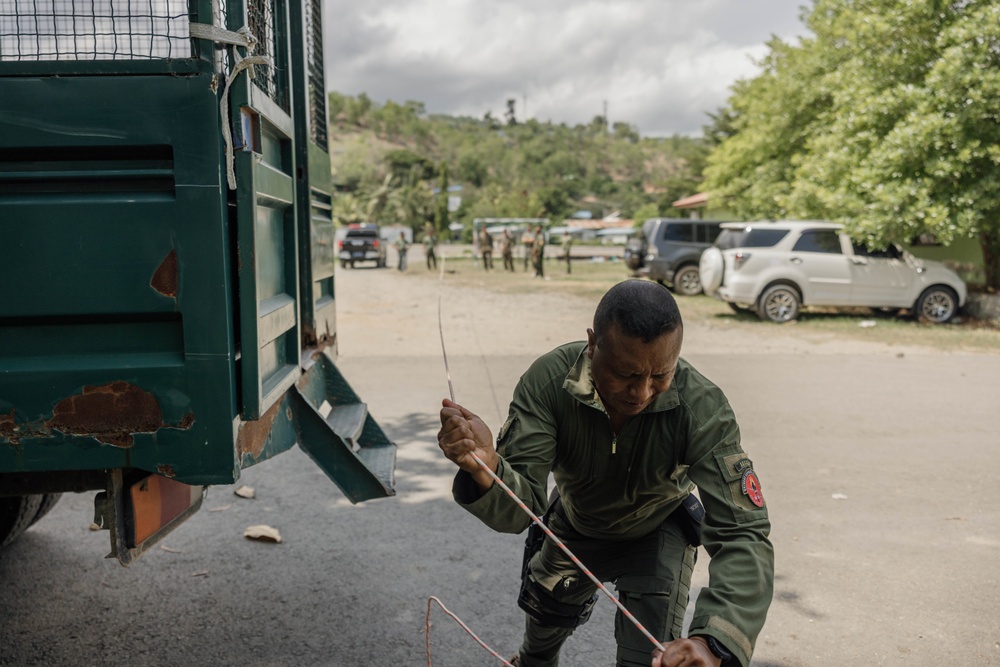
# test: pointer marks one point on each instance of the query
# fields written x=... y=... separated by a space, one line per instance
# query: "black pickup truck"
x=362 y=243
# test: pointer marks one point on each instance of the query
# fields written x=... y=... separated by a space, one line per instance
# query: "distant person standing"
x=567 y=246
x=430 y=243
x=401 y=247
x=486 y=247
x=538 y=252
x=507 y=249
x=528 y=241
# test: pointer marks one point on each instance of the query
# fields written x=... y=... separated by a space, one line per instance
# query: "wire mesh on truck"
x=36 y=30
x=317 y=87
x=271 y=41
x=94 y=29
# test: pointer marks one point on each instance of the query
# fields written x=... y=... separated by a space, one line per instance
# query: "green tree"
x=377 y=198
x=887 y=120
x=413 y=203
x=509 y=115
x=348 y=210
x=441 y=217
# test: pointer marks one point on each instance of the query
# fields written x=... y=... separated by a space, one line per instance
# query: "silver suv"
x=774 y=268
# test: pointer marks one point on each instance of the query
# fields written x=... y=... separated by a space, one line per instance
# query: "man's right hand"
x=691 y=652
x=463 y=434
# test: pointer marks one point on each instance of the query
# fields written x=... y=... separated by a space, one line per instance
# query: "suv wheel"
x=687 y=281
x=779 y=304
x=937 y=304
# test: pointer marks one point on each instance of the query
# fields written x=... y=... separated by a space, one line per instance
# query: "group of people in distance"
x=430 y=248
x=533 y=241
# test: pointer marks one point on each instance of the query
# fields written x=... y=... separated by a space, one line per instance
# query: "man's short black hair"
x=642 y=309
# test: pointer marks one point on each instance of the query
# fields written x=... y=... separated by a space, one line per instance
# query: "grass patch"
x=591 y=279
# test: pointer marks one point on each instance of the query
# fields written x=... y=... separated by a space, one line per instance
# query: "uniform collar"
x=579 y=383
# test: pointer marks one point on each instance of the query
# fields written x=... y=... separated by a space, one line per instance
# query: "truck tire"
x=16 y=514
x=49 y=501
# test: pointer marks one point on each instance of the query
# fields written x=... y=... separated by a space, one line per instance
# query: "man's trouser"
x=652 y=575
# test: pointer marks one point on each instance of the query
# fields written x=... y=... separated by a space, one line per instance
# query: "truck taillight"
x=340 y=244
x=739 y=259
x=375 y=244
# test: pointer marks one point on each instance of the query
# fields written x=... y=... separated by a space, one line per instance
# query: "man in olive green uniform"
x=430 y=244
x=538 y=252
x=528 y=241
x=401 y=247
x=567 y=248
x=507 y=249
x=486 y=248
x=628 y=429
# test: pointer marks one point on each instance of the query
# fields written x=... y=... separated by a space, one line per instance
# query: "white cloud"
x=659 y=64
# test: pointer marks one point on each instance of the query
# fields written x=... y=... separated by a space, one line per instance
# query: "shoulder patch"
x=750 y=486
x=744 y=484
x=507 y=432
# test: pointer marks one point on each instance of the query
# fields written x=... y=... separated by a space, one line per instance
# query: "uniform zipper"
x=614 y=443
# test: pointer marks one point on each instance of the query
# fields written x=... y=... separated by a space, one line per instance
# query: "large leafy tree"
x=887 y=119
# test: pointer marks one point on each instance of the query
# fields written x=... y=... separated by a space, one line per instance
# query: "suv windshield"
x=749 y=237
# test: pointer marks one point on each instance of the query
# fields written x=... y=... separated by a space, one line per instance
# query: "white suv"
x=774 y=268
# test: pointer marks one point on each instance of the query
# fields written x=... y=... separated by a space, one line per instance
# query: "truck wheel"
x=16 y=514
x=49 y=501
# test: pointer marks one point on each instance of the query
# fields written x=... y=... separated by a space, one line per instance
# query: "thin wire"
x=520 y=503
x=482 y=354
x=427 y=627
x=444 y=352
x=572 y=557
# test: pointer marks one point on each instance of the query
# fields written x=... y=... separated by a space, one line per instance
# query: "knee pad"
x=539 y=604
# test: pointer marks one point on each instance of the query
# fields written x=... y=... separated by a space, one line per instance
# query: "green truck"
x=167 y=310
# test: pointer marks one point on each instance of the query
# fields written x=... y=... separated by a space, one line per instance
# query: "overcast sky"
x=660 y=65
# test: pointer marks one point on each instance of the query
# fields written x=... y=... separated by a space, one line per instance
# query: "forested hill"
x=389 y=161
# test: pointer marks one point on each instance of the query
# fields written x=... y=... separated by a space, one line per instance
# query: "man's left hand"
x=691 y=652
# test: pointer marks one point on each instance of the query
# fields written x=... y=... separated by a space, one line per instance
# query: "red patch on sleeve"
x=751 y=487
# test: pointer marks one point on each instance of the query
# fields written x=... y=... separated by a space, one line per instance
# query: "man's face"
x=629 y=373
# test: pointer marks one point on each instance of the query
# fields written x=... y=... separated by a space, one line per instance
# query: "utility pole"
x=606 y=116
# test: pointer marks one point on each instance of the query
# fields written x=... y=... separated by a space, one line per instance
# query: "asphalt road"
x=879 y=466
